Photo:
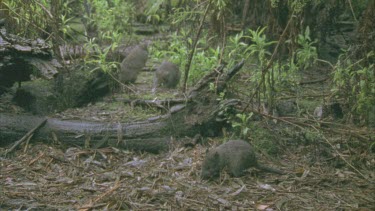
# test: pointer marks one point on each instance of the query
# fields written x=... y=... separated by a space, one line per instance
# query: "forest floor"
x=330 y=171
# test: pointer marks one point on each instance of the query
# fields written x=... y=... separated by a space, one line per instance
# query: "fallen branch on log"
x=198 y=115
x=162 y=104
x=25 y=137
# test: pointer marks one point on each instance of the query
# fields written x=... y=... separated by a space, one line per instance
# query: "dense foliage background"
x=278 y=38
x=304 y=99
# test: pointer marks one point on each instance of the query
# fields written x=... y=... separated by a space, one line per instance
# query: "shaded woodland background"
x=297 y=35
x=304 y=98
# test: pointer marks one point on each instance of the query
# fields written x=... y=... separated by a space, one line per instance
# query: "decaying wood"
x=25 y=137
x=17 y=57
x=167 y=103
x=198 y=115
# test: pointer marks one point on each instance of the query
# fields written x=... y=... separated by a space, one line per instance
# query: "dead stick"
x=272 y=117
x=270 y=61
x=313 y=81
x=90 y=204
x=31 y=132
x=191 y=54
x=325 y=139
x=27 y=142
x=341 y=156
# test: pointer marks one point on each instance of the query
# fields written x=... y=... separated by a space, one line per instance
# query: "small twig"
x=31 y=132
x=281 y=119
x=313 y=81
x=303 y=96
x=340 y=155
x=325 y=139
x=41 y=154
x=343 y=129
x=190 y=58
x=128 y=87
x=27 y=142
x=23 y=18
x=154 y=103
x=326 y=62
x=45 y=9
x=348 y=132
x=90 y=205
x=49 y=162
x=119 y=133
x=352 y=10
x=270 y=61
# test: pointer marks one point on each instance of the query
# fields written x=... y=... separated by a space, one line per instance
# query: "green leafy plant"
x=153 y=12
x=99 y=59
x=356 y=83
x=29 y=18
x=259 y=46
x=64 y=24
x=235 y=48
x=256 y=52
x=281 y=75
x=116 y=16
x=306 y=55
x=241 y=124
x=177 y=52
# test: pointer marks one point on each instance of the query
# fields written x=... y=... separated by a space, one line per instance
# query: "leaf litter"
x=58 y=178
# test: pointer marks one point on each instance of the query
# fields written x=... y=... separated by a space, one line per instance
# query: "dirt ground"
x=334 y=172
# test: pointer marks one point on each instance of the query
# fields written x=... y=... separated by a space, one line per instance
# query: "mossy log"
x=197 y=115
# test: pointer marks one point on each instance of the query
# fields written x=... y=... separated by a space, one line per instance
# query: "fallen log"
x=27 y=136
x=197 y=115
